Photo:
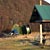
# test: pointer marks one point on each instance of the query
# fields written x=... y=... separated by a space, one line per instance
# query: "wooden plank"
x=40 y=33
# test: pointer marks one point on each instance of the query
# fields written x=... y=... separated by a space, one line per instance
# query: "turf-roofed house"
x=41 y=14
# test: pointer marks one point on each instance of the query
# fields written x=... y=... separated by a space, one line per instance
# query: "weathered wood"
x=40 y=33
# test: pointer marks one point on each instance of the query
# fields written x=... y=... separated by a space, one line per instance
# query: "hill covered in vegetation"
x=14 y=11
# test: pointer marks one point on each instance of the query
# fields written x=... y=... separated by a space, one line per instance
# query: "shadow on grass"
x=32 y=42
x=36 y=43
x=28 y=49
x=1 y=35
x=23 y=40
x=4 y=35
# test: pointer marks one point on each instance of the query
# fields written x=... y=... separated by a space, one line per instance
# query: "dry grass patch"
x=19 y=43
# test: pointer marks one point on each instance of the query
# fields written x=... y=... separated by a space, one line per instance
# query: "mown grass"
x=21 y=44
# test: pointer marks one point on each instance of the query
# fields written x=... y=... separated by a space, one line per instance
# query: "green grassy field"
x=19 y=44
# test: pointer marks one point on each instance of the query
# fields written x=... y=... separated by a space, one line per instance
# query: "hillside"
x=14 y=11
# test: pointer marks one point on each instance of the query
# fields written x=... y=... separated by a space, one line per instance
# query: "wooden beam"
x=45 y=20
x=40 y=2
x=40 y=33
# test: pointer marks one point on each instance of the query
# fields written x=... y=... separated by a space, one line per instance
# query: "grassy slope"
x=20 y=42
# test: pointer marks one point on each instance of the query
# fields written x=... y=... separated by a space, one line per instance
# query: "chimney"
x=40 y=2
